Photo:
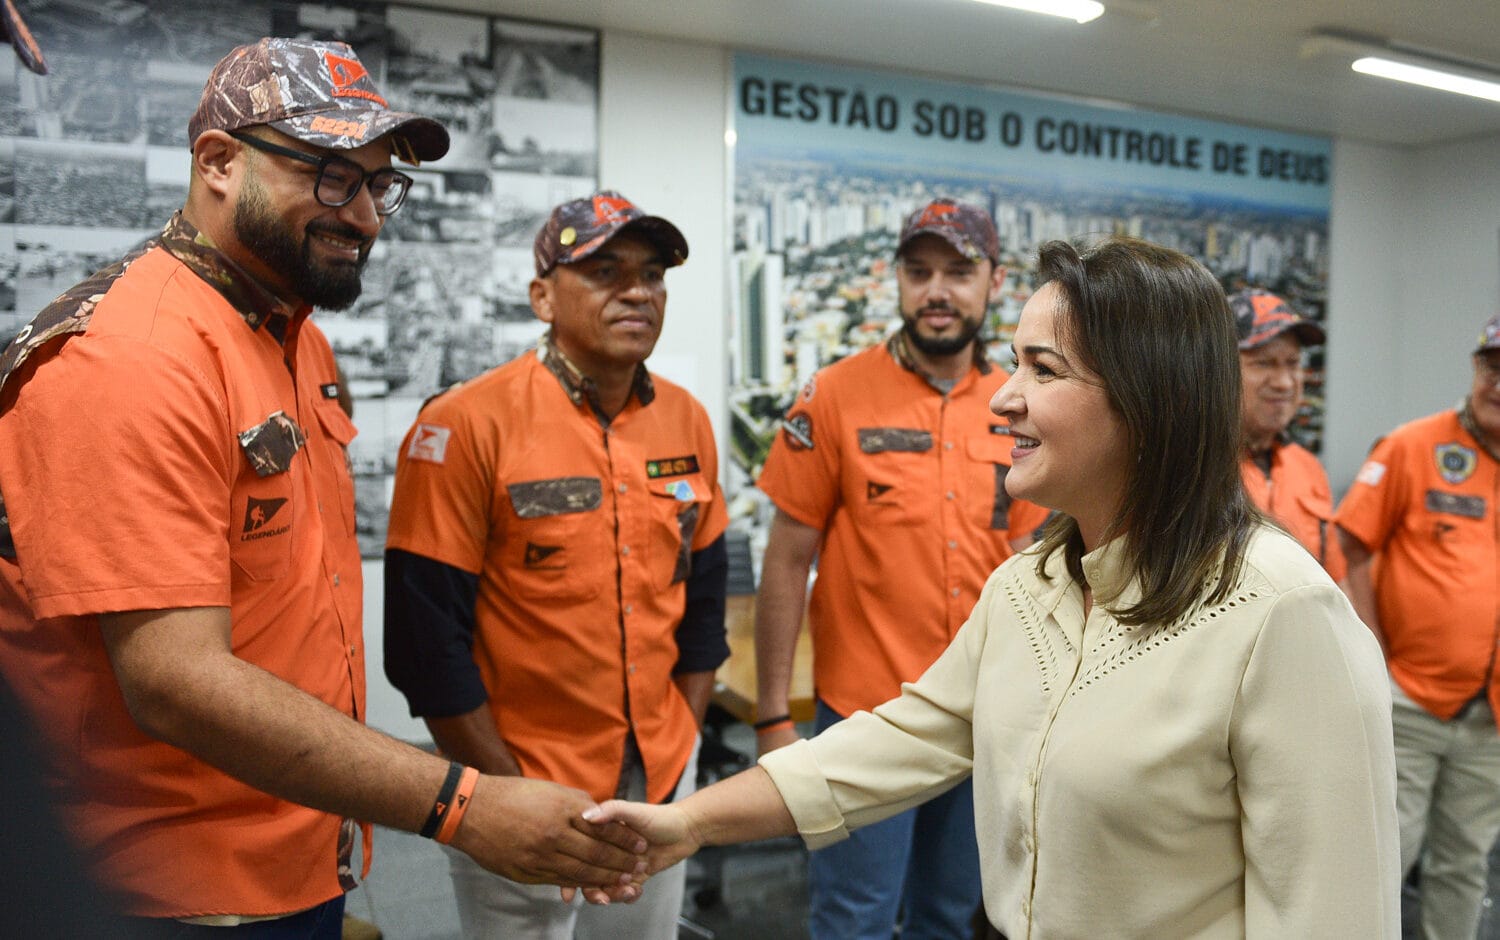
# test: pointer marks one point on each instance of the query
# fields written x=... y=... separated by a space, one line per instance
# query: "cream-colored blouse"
x=1227 y=775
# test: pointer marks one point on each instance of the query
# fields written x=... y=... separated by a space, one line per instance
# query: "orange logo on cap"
x=345 y=73
x=935 y=213
x=610 y=208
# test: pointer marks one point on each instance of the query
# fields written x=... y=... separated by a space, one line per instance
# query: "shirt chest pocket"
x=558 y=544
x=892 y=478
x=263 y=508
x=678 y=505
x=338 y=431
x=988 y=461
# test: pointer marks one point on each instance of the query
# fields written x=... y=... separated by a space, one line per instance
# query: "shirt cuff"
x=804 y=789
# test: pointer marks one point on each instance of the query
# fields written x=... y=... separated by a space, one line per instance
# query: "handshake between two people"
x=742 y=808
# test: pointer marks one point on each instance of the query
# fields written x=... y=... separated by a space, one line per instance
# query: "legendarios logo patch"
x=258 y=516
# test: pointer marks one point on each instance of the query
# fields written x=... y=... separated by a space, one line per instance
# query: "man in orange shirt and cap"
x=890 y=469
x=555 y=563
x=180 y=589
x=1419 y=529
x=1283 y=478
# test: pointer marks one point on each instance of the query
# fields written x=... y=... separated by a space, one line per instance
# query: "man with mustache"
x=890 y=469
x=555 y=563
x=1283 y=478
x=180 y=588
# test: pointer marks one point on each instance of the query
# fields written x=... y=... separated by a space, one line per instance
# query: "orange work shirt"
x=165 y=450
x=907 y=485
x=1424 y=504
x=1296 y=494
x=581 y=535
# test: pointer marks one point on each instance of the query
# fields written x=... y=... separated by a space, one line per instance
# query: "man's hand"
x=666 y=827
x=535 y=832
x=771 y=740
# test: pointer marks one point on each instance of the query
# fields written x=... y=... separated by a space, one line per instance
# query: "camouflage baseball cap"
x=13 y=30
x=1489 y=336
x=1260 y=316
x=579 y=228
x=969 y=229
x=315 y=91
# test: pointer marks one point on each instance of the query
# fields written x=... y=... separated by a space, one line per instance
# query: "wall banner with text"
x=828 y=160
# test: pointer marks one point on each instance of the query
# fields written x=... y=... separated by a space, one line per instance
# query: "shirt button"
x=1030 y=844
x=947 y=445
x=948 y=495
x=631 y=669
x=351 y=651
x=954 y=592
x=624 y=549
x=629 y=608
x=1025 y=908
x=335 y=580
x=623 y=488
x=952 y=543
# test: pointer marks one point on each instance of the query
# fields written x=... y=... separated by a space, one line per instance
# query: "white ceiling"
x=1234 y=60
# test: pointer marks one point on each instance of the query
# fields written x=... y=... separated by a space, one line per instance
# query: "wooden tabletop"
x=734 y=689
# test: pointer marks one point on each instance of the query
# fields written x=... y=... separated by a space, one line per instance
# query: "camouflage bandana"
x=71 y=311
x=317 y=92
x=1467 y=422
x=247 y=295
x=969 y=229
x=581 y=388
x=900 y=350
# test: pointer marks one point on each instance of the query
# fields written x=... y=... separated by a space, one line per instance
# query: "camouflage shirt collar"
x=900 y=349
x=247 y=295
x=581 y=388
x=1466 y=418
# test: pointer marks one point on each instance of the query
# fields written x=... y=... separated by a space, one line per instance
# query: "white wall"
x=1366 y=277
x=663 y=112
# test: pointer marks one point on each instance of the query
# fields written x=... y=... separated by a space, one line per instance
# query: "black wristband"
x=443 y=802
x=768 y=722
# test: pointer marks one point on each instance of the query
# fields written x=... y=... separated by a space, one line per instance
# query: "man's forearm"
x=184 y=685
x=698 y=689
x=473 y=738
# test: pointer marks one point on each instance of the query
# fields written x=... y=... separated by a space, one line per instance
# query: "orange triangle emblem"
x=343 y=71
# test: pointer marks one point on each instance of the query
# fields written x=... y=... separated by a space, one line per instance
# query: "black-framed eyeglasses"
x=339 y=179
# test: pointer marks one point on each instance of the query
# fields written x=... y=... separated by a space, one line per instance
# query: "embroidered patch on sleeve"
x=429 y=442
x=1371 y=473
x=797 y=429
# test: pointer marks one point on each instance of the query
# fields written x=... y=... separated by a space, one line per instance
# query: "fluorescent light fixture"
x=1428 y=78
x=1081 y=11
x=1405 y=62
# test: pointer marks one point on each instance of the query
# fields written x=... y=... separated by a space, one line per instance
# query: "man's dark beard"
x=942 y=345
x=259 y=229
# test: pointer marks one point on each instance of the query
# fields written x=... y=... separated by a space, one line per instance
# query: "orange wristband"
x=775 y=726
x=460 y=805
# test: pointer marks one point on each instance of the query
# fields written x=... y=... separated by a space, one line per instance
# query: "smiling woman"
x=1130 y=695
